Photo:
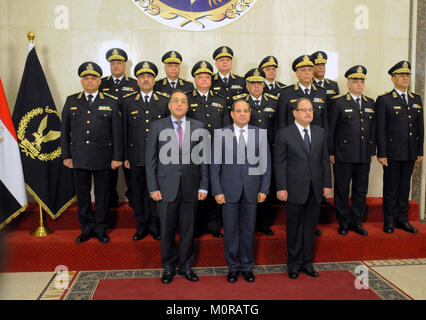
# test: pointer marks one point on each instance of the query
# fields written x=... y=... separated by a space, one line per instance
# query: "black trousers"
x=265 y=212
x=98 y=221
x=145 y=208
x=208 y=215
x=177 y=214
x=343 y=174
x=396 y=190
x=239 y=225
x=302 y=221
x=113 y=190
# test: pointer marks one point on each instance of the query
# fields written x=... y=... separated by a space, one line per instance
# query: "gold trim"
x=144 y=70
x=44 y=206
x=255 y=79
x=203 y=70
x=13 y=216
x=116 y=57
x=172 y=60
x=402 y=70
x=357 y=76
x=90 y=72
x=304 y=64
x=320 y=61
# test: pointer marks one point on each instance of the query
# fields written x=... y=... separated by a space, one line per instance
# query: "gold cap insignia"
x=405 y=64
x=89 y=67
x=224 y=50
x=173 y=54
x=256 y=73
x=271 y=59
x=115 y=52
x=146 y=65
x=203 y=65
x=320 y=56
x=305 y=58
x=359 y=70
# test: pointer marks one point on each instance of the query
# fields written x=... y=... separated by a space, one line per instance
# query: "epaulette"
x=288 y=86
x=126 y=77
x=216 y=76
x=164 y=94
x=339 y=96
x=110 y=95
x=130 y=94
x=164 y=81
x=271 y=96
x=77 y=93
x=280 y=85
x=213 y=94
x=382 y=94
x=240 y=96
x=181 y=82
x=366 y=97
x=412 y=94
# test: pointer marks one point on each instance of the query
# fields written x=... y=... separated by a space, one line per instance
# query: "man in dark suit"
x=303 y=177
x=118 y=84
x=176 y=182
x=141 y=109
x=352 y=146
x=238 y=189
x=400 y=137
x=92 y=145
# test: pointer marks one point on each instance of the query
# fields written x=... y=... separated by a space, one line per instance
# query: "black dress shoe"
x=293 y=275
x=156 y=236
x=267 y=231
x=217 y=234
x=233 y=276
x=248 y=276
x=83 y=237
x=189 y=275
x=167 y=277
x=358 y=228
x=310 y=272
x=102 y=237
x=343 y=231
x=388 y=229
x=406 y=226
x=318 y=233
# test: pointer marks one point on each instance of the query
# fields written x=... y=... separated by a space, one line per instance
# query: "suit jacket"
x=295 y=168
x=400 y=128
x=232 y=179
x=91 y=135
x=167 y=178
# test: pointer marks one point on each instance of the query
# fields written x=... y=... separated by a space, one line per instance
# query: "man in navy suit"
x=303 y=177
x=240 y=178
x=176 y=184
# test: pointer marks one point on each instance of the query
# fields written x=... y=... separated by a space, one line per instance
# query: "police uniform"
x=400 y=137
x=275 y=87
x=234 y=85
x=139 y=113
x=213 y=113
x=352 y=143
x=163 y=85
x=263 y=113
x=290 y=94
x=118 y=88
x=331 y=87
x=92 y=136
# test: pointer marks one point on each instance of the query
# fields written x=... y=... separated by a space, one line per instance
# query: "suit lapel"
x=299 y=139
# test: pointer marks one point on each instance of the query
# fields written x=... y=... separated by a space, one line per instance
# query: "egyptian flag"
x=38 y=129
x=13 y=197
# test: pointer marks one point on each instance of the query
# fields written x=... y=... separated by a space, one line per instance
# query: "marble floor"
x=390 y=279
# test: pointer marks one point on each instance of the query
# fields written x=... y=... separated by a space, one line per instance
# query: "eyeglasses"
x=306 y=110
x=183 y=101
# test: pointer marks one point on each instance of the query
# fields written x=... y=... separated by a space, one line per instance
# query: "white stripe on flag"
x=11 y=173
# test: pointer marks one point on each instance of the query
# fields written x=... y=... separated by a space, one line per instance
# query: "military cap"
x=145 y=67
x=319 y=57
x=89 y=68
x=172 y=57
x=202 y=67
x=269 y=61
x=116 y=54
x=255 y=75
x=223 y=51
x=401 y=67
x=302 y=61
x=356 y=72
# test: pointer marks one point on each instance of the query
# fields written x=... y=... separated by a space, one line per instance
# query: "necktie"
x=307 y=140
x=117 y=81
x=257 y=102
x=225 y=80
x=403 y=97
x=146 y=99
x=173 y=85
x=204 y=98
x=89 y=99
x=272 y=86
x=358 y=102
x=179 y=132
x=307 y=92
x=320 y=83
x=241 y=151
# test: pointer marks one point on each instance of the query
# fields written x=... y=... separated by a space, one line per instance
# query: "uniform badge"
x=73 y=108
x=417 y=106
x=216 y=88
x=320 y=100
x=368 y=110
x=104 y=108
x=348 y=110
x=331 y=92
x=217 y=105
x=236 y=86
x=397 y=108
x=269 y=110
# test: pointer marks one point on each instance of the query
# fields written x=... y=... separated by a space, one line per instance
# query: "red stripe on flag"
x=5 y=113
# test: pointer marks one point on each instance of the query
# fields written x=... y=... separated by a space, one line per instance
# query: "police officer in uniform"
x=172 y=61
x=209 y=108
x=225 y=82
x=141 y=108
x=400 y=137
x=263 y=108
x=118 y=84
x=92 y=145
x=269 y=65
x=319 y=60
x=352 y=147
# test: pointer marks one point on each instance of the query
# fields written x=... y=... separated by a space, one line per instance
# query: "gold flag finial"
x=31 y=36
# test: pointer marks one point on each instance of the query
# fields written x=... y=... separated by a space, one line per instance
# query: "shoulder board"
x=130 y=94
x=288 y=86
x=110 y=95
x=366 y=98
x=138 y=96
x=413 y=94
x=181 y=82
x=126 y=77
x=240 y=96
x=194 y=92
x=77 y=93
x=109 y=78
x=271 y=96
x=382 y=94
x=164 y=94
x=215 y=76
x=339 y=96
x=280 y=85
x=215 y=94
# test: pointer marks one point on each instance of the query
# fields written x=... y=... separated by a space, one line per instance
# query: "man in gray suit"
x=303 y=177
x=240 y=178
x=176 y=184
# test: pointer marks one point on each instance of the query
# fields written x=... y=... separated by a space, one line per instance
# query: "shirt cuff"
x=203 y=191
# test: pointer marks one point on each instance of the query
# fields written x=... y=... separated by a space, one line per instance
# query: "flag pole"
x=41 y=231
